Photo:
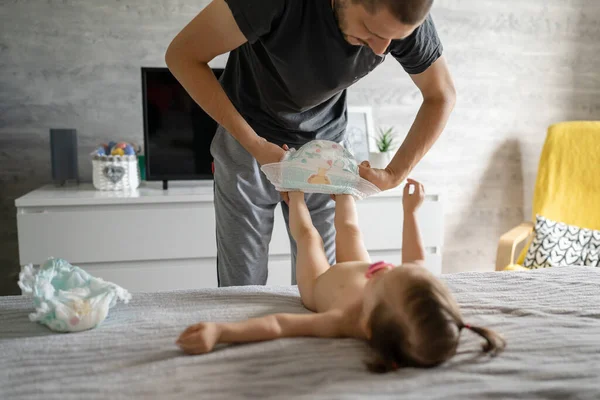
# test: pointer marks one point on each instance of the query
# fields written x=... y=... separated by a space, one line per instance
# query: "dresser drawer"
x=117 y=233
x=381 y=222
x=157 y=275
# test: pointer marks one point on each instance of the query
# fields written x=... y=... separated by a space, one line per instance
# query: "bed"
x=550 y=318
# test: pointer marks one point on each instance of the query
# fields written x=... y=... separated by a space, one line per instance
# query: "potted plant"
x=386 y=143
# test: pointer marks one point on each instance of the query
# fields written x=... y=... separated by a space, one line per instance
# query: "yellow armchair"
x=567 y=187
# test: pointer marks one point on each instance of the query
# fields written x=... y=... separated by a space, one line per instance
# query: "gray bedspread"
x=550 y=318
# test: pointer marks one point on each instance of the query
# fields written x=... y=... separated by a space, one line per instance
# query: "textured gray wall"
x=519 y=66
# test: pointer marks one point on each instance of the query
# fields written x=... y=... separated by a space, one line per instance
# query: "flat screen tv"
x=177 y=132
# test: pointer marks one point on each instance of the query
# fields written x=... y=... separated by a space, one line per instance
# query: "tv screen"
x=177 y=132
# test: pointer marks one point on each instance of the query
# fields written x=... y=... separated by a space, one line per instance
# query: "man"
x=290 y=62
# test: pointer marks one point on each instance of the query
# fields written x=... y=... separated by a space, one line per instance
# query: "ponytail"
x=494 y=343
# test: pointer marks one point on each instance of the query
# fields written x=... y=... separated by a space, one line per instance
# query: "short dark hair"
x=408 y=12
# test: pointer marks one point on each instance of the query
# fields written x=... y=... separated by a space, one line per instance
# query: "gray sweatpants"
x=245 y=204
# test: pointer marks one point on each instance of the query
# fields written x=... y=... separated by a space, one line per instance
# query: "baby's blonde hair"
x=421 y=328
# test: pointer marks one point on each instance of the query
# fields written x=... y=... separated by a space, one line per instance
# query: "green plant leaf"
x=385 y=140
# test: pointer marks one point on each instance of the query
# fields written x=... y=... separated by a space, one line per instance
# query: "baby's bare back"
x=341 y=286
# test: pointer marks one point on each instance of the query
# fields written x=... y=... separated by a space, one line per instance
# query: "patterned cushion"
x=558 y=244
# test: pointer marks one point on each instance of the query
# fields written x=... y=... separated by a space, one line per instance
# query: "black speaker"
x=63 y=155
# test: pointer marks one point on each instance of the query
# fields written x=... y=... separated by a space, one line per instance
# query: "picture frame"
x=360 y=131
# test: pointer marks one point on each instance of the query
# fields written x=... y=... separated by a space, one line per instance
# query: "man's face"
x=377 y=30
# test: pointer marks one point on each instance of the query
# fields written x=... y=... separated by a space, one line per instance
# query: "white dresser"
x=155 y=240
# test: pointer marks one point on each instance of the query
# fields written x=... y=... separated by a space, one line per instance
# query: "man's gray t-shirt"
x=289 y=80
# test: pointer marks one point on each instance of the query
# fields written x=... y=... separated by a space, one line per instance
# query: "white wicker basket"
x=115 y=172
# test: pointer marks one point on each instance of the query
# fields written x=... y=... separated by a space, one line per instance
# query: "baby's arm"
x=349 y=244
x=202 y=337
x=300 y=220
x=412 y=245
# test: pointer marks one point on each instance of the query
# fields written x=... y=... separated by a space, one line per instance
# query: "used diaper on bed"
x=67 y=298
x=320 y=166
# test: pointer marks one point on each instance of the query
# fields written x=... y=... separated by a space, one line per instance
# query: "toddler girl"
x=404 y=312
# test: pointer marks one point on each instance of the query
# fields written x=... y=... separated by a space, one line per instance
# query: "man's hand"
x=384 y=179
x=266 y=152
x=200 y=338
x=412 y=202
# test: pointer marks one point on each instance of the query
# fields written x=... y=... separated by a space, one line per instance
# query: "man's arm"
x=439 y=97
x=211 y=33
x=201 y=338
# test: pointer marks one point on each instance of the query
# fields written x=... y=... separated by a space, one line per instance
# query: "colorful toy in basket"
x=116 y=149
x=320 y=166
x=116 y=166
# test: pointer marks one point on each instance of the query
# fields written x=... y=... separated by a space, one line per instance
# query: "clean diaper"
x=320 y=166
x=67 y=298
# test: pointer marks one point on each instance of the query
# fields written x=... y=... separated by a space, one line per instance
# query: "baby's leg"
x=311 y=260
x=349 y=245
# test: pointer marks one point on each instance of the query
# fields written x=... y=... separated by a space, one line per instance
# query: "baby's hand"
x=412 y=202
x=200 y=338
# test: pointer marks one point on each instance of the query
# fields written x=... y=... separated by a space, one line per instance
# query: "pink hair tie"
x=377 y=267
